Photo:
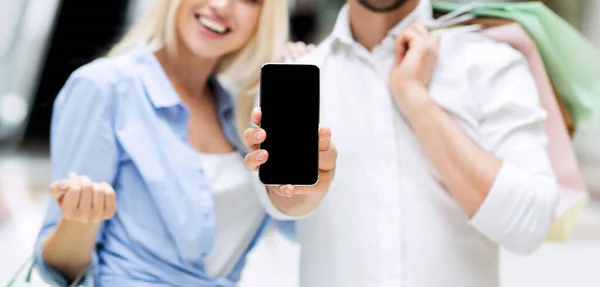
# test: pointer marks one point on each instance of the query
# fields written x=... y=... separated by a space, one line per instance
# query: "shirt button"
x=207 y=214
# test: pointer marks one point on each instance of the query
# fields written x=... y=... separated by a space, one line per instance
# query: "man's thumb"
x=401 y=48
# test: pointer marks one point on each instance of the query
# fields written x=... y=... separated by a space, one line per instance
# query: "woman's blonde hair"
x=239 y=72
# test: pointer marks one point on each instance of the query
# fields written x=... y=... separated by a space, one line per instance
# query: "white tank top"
x=238 y=212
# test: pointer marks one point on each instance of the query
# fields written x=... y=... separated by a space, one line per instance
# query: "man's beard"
x=382 y=6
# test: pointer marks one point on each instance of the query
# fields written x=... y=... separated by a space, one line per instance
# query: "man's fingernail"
x=63 y=184
x=260 y=156
x=257 y=135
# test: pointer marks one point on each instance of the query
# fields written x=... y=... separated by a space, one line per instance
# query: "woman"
x=153 y=121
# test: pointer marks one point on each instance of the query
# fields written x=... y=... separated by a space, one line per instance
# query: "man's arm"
x=467 y=170
x=288 y=202
x=504 y=183
x=511 y=200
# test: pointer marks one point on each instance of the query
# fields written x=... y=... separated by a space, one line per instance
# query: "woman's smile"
x=212 y=26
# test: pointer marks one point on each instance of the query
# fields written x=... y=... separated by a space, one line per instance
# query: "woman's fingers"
x=110 y=201
x=253 y=137
x=294 y=49
x=86 y=200
x=254 y=159
x=71 y=198
x=98 y=203
x=289 y=50
x=58 y=189
x=82 y=200
x=297 y=49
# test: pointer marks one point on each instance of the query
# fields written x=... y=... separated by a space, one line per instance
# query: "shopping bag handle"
x=31 y=263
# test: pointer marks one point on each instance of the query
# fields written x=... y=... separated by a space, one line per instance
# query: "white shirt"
x=387 y=219
x=238 y=213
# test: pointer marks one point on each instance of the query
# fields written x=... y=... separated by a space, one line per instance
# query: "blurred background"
x=43 y=41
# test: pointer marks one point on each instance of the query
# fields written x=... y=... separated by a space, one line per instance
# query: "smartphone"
x=289 y=100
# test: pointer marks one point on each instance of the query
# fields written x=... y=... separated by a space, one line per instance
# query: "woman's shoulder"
x=107 y=80
x=108 y=72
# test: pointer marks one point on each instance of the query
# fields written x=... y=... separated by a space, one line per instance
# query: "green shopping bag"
x=13 y=282
x=28 y=267
x=572 y=62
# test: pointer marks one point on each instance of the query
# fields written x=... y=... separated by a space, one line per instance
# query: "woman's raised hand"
x=84 y=201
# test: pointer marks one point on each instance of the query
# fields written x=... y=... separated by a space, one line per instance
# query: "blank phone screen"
x=289 y=100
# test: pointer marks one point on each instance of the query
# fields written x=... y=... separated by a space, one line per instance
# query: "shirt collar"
x=343 y=33
x=160 y=90
x=341 y=30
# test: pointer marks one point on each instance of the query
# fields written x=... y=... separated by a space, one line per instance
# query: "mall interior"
x=43 y=41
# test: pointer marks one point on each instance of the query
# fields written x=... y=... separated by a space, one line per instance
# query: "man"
x=441 y=156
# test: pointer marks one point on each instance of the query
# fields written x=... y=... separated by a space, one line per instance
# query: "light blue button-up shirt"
x=119 y=120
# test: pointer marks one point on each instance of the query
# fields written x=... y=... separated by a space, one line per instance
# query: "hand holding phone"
x=253 y=137
x=289 y=101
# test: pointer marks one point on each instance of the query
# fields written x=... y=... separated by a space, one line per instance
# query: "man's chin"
x=382 y=6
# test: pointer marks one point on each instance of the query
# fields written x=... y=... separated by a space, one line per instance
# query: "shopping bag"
x=572 y=61
x=573 y=194
x=15 y=281
x=26 y=271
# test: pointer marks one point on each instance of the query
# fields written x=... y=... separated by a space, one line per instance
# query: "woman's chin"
x=203 y=54
x=204 y=50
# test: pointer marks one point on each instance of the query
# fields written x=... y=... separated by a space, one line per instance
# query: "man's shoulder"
x=477 y=50
x=479 y=67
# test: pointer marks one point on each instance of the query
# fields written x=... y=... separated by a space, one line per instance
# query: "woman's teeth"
x=213 y=26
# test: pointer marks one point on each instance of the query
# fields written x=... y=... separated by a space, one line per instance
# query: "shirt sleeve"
x=519 y=208
x=81 y=141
